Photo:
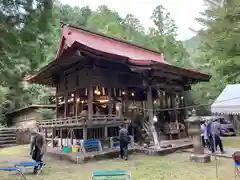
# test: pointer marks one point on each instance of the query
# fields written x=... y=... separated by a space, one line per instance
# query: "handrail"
x=80 y=120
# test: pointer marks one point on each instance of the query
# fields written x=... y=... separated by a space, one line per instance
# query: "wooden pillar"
x=105 y=133
x=53 y=136
x=65 y=105
x=76 y=104
x=150 y=106
x=57 y=110
x=61 y=140
x=109 y=100
x=152 y=130
x=126 y=102
x=71 y=136
x=185 y=111
x=90 y=102
x=85 y=132
x=45 y=134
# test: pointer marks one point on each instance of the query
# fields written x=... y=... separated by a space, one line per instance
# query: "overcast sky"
x=183 y=12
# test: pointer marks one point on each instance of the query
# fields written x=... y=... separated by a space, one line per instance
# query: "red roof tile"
x=135 y=54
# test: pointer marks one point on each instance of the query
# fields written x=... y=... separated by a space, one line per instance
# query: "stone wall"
x=23 y=136
x=26 y=119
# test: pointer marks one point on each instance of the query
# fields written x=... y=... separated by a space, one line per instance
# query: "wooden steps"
x=7 y=137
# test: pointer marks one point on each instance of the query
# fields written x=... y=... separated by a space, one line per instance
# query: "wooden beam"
x=168 y=75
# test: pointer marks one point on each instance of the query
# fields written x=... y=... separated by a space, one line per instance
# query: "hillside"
x=192 y=43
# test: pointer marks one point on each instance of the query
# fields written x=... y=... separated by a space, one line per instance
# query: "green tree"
x=23 y=25
x=218 y=53
x=162 y=38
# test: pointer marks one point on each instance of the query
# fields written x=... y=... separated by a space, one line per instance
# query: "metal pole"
x=215 y=154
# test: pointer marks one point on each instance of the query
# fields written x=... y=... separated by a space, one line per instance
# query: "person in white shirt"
x=204 y=135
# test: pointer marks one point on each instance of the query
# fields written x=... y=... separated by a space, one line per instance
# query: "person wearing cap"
x=37 y=147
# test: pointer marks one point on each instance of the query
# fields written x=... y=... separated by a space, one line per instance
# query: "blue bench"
x=15 y=169
x=40 y=165
x=91 y=145
x=111 y=175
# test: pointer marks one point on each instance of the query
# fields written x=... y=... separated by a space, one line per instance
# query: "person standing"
x=215 y=131
x=123 y=137
x=203 y=128
x=209 y=135
x=37 y=147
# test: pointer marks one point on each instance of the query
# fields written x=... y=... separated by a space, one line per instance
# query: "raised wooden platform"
x=97 y=120
x=80 y=157
x=107 y=153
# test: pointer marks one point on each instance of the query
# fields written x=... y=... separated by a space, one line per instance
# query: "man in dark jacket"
x=123 y=137
x=209 y=134
x=37 y=147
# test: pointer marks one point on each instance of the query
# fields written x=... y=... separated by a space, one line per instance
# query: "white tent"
x=228 y=102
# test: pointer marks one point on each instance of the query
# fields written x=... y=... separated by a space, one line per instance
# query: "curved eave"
x=46 y=75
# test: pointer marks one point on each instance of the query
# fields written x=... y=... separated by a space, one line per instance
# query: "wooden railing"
x=81 y=121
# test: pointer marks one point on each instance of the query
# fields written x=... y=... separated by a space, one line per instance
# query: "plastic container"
x=76 y=148
x=66 y=149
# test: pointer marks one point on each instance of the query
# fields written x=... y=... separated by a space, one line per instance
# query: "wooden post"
x=90 y=102
x=45 y=135
x=53 y=137
x=65 y=105
x=85 y=132
x=76 y=104
x=126 y=102
x=57 y=106
x=150 y=107
x=109 y=100
x=105 y=132
x=71 y=136
x=61 y=140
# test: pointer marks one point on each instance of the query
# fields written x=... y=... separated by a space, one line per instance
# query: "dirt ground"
x=172 y=167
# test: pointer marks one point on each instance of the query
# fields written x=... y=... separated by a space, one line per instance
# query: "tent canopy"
x=228 y=102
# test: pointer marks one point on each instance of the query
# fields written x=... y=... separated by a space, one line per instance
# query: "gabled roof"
x=134 y=53
x=228 y=102
x=73 y=38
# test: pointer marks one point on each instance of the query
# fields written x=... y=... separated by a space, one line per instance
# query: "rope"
x=185 y=107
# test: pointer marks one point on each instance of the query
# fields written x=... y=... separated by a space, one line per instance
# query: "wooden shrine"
x=101 y=82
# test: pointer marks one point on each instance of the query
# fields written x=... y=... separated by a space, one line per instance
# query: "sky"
x=183 y=12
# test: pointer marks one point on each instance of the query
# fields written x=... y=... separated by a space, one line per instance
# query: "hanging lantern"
x=123 y=93
x=132 y=94
x=78 y=99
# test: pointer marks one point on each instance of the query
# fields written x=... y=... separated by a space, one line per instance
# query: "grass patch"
x=171 y=167
x=231 y=142
x=22 y=150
